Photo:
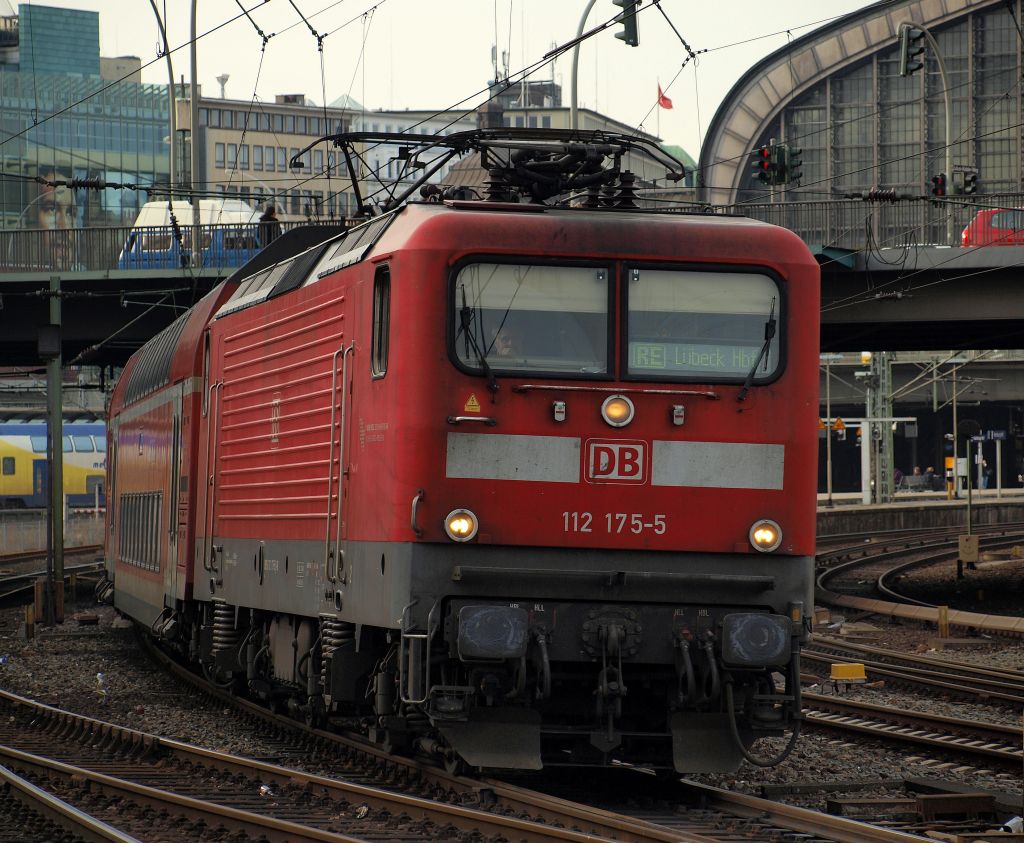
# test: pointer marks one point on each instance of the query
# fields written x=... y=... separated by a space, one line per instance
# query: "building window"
x=232 y=155
x=243 y=156
x=226 y=120
x=300 y=125
x=257 y=157
x=289 y=124
x=203 y=116
x=268 y=158
x=278 y=123
x=215 y=117
x=318 y=161
x=282 y=159
x=8 y=465
x=292 y=156
x=532 y=121
x=218 y=156
x=545 y=122
x=314 y=125
x=381 y=322
x=306 y=162
x=519 y=122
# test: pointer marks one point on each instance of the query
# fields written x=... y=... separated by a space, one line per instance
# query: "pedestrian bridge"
x=894 y=277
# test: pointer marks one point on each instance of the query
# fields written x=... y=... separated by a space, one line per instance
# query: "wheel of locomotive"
x=217 y=676
x=315 y=716
x=455 y=766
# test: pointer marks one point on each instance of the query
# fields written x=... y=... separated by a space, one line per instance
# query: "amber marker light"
x=765 y=535
x=461 y=525
x=617 y=410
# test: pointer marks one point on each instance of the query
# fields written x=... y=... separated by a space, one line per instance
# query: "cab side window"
x=8 y=465
x=381 y=321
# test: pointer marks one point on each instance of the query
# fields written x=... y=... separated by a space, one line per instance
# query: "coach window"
x=381 y=321
x=83 y=444
x=8 y=465
x=66 y=440
x=532 y=318
x=38 y=444
x=707 y=326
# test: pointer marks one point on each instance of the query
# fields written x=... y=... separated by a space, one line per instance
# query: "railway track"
x=983 y=742
x=961 y=680
x=30 y=814
x=181 y=791
x=868 y=563
x=689 y=811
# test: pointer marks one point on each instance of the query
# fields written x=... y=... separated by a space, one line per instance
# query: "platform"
x=918 y=510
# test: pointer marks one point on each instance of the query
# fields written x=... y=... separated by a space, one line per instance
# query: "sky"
x=437 y=54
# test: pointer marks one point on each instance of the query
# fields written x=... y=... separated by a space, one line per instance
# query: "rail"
x=849 y=224
x=857 y=224
x=130 y=247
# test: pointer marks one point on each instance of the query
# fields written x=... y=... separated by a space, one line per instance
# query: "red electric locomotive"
x=508 y=479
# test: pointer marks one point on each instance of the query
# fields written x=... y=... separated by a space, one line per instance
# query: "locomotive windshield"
x=519 y=317
x=685 y=324
x=706 y=325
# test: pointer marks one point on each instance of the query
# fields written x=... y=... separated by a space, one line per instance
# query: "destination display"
x=693 y=358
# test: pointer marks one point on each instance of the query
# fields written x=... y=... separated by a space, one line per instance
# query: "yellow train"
x=24 y=476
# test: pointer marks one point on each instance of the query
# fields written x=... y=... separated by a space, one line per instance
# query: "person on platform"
x=270 y=226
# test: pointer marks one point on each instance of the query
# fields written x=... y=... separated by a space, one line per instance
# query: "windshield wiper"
x=466 y=322
x=769 y=335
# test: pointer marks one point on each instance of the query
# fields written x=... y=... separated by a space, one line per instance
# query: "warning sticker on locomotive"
x=472 y=405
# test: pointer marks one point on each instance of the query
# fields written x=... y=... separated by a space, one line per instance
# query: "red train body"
x=488 y=479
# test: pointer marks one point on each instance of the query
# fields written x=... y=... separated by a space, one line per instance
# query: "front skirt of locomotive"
x=652 y=658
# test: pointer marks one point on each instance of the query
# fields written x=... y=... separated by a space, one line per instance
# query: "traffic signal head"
x=939 y=184
x=761 y=166
x=629 y=32
x=911 y=46
x=970 y=183
x=794 y=161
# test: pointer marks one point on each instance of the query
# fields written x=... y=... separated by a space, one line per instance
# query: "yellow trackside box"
x=848 y=673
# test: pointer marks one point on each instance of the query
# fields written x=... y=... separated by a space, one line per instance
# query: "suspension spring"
x=225 y=635
x=333 y=634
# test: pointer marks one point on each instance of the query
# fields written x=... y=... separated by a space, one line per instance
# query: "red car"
x=995 y=227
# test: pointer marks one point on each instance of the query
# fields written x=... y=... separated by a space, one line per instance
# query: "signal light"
x=629 y=32
x=794 y=161
x=911 y=46
x=761 y=166
x=970 y=183
x=939 y=185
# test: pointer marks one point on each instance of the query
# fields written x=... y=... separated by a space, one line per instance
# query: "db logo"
x=616 y=461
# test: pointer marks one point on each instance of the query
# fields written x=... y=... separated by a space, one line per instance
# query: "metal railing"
x=842 y=223
x=127 y=247
x=857 y=224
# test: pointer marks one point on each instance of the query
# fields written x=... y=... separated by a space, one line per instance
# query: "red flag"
x=663 y=101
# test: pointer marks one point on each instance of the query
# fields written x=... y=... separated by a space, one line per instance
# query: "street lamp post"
x=193 y=158
x=948 y=100
x=170 y=92
x=573 y=110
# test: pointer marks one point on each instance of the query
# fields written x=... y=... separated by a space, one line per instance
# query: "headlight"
x=461 y=525
x=617 y=410
x=765 y=535
x=755 y=640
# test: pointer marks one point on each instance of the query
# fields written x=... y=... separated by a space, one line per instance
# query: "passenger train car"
x=508 y=480
x=24 y=466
